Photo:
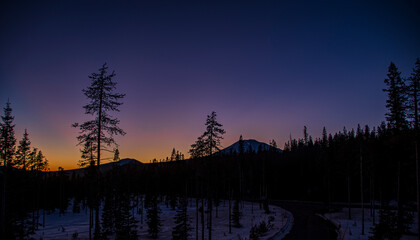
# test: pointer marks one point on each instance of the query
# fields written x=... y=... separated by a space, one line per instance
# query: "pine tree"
x=324 y=138
x=397 y=99
x=116 y=155
x=182 y=225
x=104 y=127
x=32 y=159
x=396 y=117
x=209 y=142
x=125 y=223
x=41 y=163
x=22 y=153
x=197 y=149
x=413 y=91
x=413 y=94
x=236 y=215
x=109 y=213
x=153 y=219
x=7 y=136
x=173 y=155
x=273 y=145
x=241 y=146
x=88 y=156
x=305 y=135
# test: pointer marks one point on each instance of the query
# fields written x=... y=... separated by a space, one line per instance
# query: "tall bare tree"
x=102 y=129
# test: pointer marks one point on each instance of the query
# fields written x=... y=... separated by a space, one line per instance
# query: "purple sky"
x=267 y=68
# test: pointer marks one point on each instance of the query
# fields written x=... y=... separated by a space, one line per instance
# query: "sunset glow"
x=267 y=70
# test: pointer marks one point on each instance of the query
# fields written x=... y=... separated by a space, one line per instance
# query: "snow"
x=351 y=229
x=255 y=145
x=65 y=225
x=126 y=161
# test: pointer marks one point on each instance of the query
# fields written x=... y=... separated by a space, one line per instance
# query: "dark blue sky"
x=266 y=67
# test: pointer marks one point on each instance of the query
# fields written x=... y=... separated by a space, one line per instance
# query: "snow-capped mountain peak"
x=250 y=144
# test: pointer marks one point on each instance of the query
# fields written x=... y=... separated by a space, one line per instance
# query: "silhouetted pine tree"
x=197 y=149
x=7 y=151
x=7 y=136
x=88 y=156
x=173 y=155
x=22 y=153
x=236 y=215
x=182 y=225
x=324 y=138
x=397 y=99
x=413 y=91
x=413 y=94
x=116 y=155
x=108 y=216
x=241 y=149
x=273 y=145
x=305 y=135
x=38 y=161
x=209 y=142
x=153 y=218
x=397 y=122
x=102 y=100
x=31 y=159
x=125 y=223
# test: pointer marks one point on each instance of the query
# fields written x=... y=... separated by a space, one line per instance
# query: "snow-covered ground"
x=67 y=225
x=352 y=229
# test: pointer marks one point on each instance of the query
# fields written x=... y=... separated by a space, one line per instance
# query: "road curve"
x=307 y=225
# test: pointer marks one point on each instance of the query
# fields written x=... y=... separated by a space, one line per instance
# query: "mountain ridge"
x=254 y=144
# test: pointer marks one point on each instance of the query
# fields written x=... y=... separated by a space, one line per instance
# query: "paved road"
x=307 y=225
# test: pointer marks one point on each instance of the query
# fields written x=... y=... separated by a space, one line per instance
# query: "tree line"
x=20 y=156
x=30 y=162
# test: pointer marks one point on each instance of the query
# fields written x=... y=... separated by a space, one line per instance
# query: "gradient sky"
x=266 y=67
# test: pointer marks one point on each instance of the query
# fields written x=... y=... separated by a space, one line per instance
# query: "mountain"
x=129 y=162
x=126 y=161
x=104 y=168
x=255 y=145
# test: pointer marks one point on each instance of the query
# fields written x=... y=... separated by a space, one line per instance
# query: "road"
x=307 y=225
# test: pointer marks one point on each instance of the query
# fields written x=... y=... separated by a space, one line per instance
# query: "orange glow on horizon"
x=68 y=159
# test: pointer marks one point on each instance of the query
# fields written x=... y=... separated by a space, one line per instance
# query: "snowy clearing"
x=76 y=225
x=352 y=229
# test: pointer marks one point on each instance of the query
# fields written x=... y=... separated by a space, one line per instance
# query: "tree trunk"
x=418 y=190
x=348 y=193
x=196 y=219
x=399 y=202
x=202 y=219
x=210 y=217
x=90 y=222
x=3 y=204
x=230 y=213
x=373 y=197
x=361 y=193
x=97 y=224
x=370 y=196
x=100 y=124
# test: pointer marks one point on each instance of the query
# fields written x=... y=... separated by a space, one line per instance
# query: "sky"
x=267 y=68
